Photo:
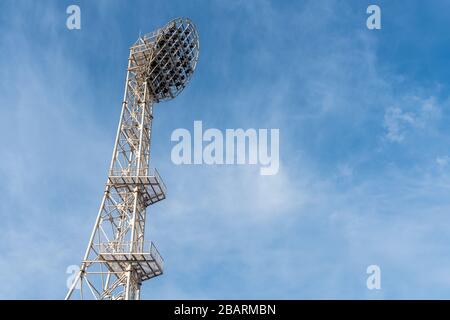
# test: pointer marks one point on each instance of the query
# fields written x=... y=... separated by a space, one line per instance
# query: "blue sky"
x=364 y=147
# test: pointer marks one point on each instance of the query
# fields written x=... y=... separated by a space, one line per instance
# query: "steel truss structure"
x=117 y=259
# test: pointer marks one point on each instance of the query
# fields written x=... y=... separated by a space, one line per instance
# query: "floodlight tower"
x=117 y=259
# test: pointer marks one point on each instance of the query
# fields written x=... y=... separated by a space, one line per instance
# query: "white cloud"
x=224 y=230
x=397 y=122
x=442 y=161
x=422 y=113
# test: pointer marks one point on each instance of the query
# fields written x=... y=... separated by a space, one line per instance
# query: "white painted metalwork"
x=117 y=259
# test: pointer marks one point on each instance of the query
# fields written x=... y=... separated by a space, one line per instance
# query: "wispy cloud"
x=424 y=112
x=396 y=122
x=354 y=188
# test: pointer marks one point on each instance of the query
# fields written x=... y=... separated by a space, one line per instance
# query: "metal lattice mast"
x=117 y=259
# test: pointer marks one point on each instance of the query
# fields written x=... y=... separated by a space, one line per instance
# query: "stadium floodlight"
x=117 y=259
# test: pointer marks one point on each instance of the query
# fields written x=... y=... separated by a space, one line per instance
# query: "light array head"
x=173 y=58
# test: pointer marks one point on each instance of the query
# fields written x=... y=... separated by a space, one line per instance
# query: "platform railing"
x=148 y=247
x=124 y=247
x=157 y=256
x=127 y=172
